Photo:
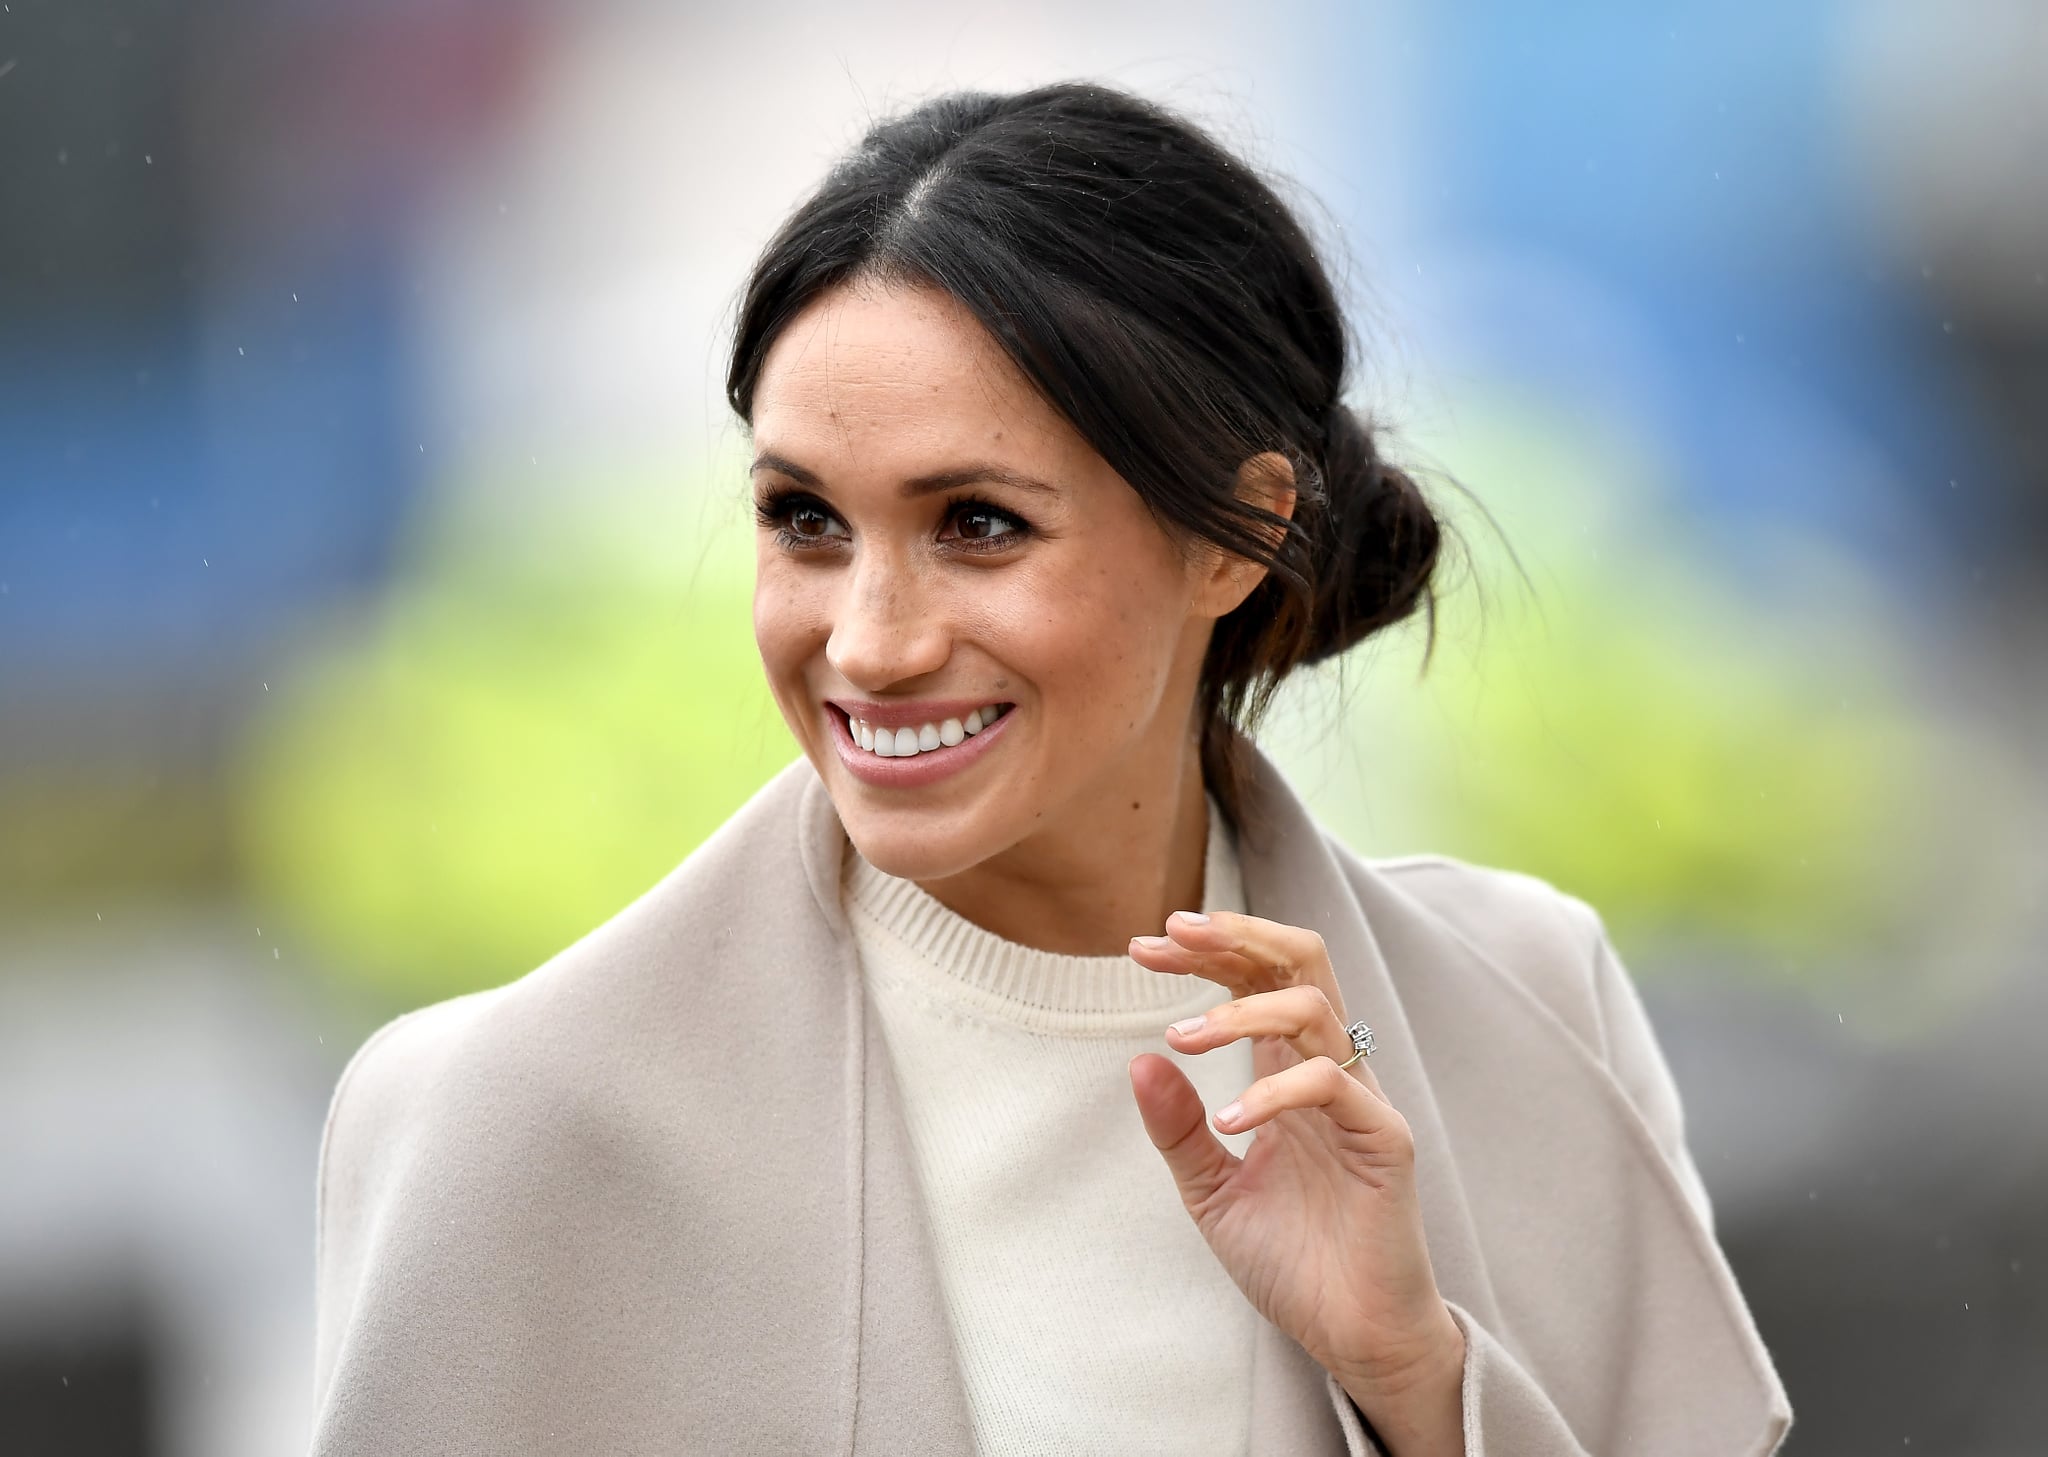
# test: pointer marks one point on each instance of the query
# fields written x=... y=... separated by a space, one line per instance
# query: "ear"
x=1266 y=481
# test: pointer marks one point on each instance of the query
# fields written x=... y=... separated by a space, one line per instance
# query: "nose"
x=886 y=628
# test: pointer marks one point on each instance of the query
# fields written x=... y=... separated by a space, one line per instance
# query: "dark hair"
x=1164 y=299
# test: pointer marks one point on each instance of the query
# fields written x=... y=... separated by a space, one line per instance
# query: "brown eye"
x=809 y=521
x=983 y=523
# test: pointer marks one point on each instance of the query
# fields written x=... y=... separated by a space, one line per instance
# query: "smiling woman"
x=836 y=1139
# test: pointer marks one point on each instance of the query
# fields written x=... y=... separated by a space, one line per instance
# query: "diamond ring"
x=1361 y=1043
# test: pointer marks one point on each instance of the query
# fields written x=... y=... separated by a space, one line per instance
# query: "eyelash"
x=776 y=509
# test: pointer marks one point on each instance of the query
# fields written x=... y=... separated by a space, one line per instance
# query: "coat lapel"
x=1553 y=1217
x=907 y=1391
x=1290 y=875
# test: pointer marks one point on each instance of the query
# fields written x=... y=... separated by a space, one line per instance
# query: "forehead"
x=893 y=370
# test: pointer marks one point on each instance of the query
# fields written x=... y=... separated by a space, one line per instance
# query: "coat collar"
x=1529 y=1217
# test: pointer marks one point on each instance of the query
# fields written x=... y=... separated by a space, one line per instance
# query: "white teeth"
x=901 y=743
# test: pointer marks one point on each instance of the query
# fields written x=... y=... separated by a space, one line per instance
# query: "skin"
x=1086 y=820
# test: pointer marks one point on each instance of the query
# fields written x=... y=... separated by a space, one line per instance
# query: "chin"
x=922 y=842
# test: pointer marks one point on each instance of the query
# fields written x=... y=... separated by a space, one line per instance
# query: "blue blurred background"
x=374 y=572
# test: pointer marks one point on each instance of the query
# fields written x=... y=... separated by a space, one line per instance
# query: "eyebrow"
x=924 y=485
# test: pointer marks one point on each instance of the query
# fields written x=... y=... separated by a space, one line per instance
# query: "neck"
x=1113 y=867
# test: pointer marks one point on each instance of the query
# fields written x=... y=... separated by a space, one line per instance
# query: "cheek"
x=1101 y=636
x=790 y=622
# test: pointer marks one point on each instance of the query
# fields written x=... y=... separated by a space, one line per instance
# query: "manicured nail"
x=1190 y=1027
x=1229 y=1113
x=1193 y=918
x=1151 y=943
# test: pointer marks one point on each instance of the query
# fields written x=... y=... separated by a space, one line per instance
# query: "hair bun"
x=1376 y=548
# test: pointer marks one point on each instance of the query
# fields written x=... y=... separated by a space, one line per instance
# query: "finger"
x=1160 y=953
x=1320 y=1083
x=1172 y=1111
x=1302 y=1015
x=1248 y=954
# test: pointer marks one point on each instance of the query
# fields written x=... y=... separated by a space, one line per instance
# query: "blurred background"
x=374 y=569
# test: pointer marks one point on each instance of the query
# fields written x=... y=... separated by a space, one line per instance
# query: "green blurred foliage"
x=508 y=747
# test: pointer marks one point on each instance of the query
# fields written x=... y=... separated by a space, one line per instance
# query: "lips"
x=911 y=744
x=905 y=740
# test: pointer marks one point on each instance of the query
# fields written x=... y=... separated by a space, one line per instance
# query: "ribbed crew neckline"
x=1047 y=991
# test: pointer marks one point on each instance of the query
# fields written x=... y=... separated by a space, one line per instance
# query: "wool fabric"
x=1087 y=1312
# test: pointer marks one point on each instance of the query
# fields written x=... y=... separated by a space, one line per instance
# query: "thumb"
x=1178 y=1126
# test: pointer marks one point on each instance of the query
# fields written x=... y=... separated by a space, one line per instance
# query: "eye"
x=979 y=524
x=809 y=519
x=799 y=520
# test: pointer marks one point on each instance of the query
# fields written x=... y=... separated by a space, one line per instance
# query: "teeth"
x=901 y=743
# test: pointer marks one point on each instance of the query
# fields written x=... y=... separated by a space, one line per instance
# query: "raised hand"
x=1318 y=1223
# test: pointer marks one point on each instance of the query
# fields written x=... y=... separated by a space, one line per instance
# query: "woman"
x=828 y=1142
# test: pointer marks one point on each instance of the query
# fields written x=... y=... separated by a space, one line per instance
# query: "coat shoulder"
x=1544 y=938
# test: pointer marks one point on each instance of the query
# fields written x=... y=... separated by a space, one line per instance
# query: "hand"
x=1318 y=1223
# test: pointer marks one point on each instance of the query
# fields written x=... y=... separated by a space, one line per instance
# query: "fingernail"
x=1193 y=918
x=1229 y=1113
x=1190 y=1027
x=1150 y=943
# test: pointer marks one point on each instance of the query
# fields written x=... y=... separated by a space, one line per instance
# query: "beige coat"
x=657 y=1196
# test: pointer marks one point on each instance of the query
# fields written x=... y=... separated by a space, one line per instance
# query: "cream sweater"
x=1088 y=1314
